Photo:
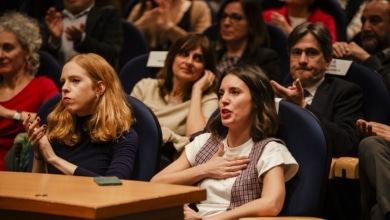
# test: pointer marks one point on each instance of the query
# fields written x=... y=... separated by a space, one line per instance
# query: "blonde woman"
x=89 y=131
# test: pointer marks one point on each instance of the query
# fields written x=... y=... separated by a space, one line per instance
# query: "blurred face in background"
x=12 y=55
x=375 y=33
x=233 y=23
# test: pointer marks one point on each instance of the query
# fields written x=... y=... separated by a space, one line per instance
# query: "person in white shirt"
x=239 y=152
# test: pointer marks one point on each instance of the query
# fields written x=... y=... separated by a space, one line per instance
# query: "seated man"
x=336 y=103
x=83 y=28
x=374 y=178
x=374 y=51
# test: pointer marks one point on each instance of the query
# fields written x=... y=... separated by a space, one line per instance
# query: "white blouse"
x=218 y=191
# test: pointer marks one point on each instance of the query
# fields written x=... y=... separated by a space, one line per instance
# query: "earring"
x=26 y=67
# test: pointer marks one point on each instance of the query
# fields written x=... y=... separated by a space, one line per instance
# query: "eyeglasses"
x=309 y=52
x=233 y=17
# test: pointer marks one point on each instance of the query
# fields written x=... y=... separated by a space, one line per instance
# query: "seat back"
x=376 y=98
x=334 y=8
x=134 y=43
x=150 y=141
x=278 y=41
x=135 y=70
x=49 y=67
x=308 y=143
x=149 y=137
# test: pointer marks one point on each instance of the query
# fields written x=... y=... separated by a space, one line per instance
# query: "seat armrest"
x=347 y=167
x=332 y=166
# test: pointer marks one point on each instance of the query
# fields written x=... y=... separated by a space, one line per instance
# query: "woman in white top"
x=238 y=154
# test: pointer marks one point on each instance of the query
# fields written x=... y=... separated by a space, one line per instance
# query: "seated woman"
x=243 y=38
x=165 y=21
x=89 y=131
x=239 y=152
x=21 y=93
x=184 y=94
x=295 y=12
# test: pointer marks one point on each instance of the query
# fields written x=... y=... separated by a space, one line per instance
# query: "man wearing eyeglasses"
x=374 y=49
x=336 y=102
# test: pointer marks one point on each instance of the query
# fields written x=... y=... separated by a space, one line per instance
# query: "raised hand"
x=345 y=50
x=148 y=18
x=164 y=20
x=74 y=33
x=280 y=21
x=205 y=81
x=293 y=93
x=35 y=133
x=53 y=20
x=373 y=129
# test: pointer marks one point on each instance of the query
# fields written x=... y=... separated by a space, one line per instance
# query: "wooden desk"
x=47 y=196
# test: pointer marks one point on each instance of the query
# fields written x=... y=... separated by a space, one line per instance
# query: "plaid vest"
x=246 y=187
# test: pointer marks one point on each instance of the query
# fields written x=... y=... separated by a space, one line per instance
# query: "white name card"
x=339 y=67
x=156 y=58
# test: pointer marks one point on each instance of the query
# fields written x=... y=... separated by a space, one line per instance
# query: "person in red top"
x=295 y=12
x=21 y=93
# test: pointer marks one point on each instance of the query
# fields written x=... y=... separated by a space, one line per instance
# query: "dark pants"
x=374 y=178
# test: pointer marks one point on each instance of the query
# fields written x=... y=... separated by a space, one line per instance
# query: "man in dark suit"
x=83 y=27
x=336 y=102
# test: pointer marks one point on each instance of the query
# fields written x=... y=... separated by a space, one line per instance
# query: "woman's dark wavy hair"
x=184 y=45
x=265 y=118
x=257 y=29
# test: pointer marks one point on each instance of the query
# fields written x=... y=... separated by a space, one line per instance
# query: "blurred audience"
x=165 y=21
x=82 y=27
x=374 y=49
x=243 y=38
x=21 y=93
x=295 y=12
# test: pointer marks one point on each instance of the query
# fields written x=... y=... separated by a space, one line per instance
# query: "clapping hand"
x=293 y=93
x=53 y=20
x=373 y=129
x=280 y=21
x=35 y=133
x=164 y=20
x=74 y=33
